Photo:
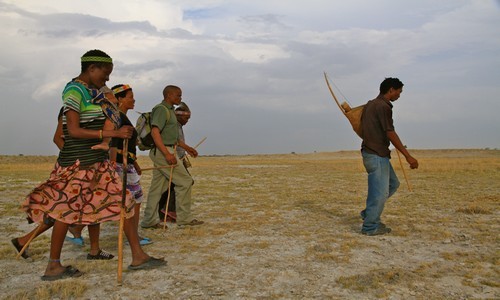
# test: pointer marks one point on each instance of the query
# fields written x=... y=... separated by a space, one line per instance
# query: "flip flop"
x=151 y=263
x=76 y=240
x=156 y=226
x=194 y=222
x=68 y=272
x=145 y=241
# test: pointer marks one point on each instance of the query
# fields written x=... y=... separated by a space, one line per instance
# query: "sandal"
x=151 y=263
x=156 y=226
x=18 y=247
x=68 y=272
x=76 y=240
x=145 y=241
x=194 y=222
x=101 y=255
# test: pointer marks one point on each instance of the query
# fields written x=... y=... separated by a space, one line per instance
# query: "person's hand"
x=171 y=160
x=138 y=169
x=125 y=132
x=192 y=152
x=413 y=162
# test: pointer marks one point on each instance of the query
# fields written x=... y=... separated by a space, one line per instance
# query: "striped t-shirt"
x=76 y=97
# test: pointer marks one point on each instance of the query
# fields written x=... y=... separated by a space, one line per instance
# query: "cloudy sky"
x=252 y=71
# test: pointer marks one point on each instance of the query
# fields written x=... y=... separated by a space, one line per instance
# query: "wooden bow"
x=352 y=114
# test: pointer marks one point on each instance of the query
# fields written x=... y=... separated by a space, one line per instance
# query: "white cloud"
x=161 y=14
x=253 y=52
x=237 y=59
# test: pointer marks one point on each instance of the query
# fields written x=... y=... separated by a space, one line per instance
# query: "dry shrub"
x=491 y=283
x=473 y=209
x=377 y=282
x=23 y=295
x=64 y=289
x=481 y=205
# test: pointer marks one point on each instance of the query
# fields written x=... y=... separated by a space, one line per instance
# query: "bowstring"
x=338 y=89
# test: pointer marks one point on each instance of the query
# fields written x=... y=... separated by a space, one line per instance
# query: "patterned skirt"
x=79 y=196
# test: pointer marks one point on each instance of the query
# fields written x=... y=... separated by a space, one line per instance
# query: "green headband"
x=97 y=59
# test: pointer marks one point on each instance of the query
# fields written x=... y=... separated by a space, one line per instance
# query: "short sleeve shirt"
x=163 y=117
x=376 y=122
x=77 y=98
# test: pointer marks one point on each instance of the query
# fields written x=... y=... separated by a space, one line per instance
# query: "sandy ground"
x=287 y=227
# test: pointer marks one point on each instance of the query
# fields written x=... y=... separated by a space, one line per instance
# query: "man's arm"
x=155 y=133
x=396 y=142
x=188 y=149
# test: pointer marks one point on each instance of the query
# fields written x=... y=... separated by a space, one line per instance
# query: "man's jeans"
x=382 y=184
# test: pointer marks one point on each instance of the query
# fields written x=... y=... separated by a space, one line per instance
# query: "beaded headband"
x=122 y=88
x=182 y=113
x=97 y=59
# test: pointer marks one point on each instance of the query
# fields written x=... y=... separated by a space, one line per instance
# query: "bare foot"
x=101 y=146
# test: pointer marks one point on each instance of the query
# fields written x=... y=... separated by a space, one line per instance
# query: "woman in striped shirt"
x=84 y=187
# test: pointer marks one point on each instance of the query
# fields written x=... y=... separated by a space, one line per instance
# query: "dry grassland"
x=287 y=227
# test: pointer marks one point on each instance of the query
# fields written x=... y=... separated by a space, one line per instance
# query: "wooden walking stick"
x=29 y=241
x=122 y=211
x=157 y=168
x=185 y=158
x=168 y=195
x=202 y=140
x=404 y=172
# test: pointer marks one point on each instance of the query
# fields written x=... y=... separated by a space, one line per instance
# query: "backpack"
x=143 y=126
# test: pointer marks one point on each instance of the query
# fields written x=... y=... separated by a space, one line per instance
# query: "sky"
x=252 y=71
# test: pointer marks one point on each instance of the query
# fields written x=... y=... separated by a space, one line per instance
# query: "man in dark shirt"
x=378 y=134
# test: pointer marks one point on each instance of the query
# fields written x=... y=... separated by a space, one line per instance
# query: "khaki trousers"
x=159 y=184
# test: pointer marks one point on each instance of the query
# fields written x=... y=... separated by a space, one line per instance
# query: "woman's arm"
x=75 y=131
x=59 y=135
x=137 y=168
x=112 y=153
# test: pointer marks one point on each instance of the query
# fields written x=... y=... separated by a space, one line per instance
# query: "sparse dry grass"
x=287 y=226
x=64 y=289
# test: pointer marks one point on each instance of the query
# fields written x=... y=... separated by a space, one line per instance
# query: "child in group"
x=110 y=105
